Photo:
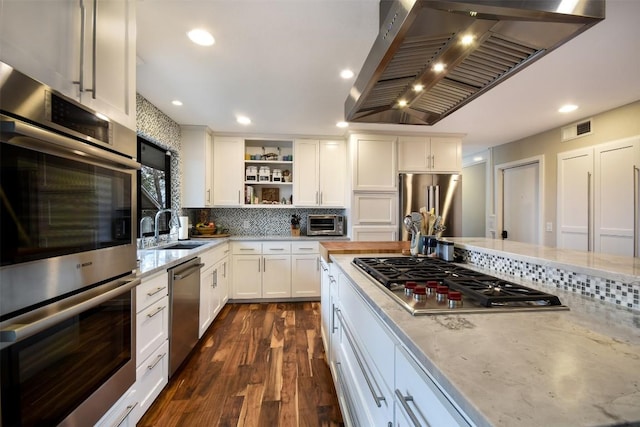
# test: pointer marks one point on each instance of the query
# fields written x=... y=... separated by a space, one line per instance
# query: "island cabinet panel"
x=364 y=351
x=418 y=400
x=378 y=382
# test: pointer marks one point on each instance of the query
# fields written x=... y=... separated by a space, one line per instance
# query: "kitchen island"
x=576 y=367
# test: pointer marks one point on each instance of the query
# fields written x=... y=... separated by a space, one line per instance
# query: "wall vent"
x=576 y=130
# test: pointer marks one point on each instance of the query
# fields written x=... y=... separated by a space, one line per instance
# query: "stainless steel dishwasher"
x=184 y=303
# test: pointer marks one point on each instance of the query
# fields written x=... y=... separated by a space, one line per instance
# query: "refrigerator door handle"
x=437 y=199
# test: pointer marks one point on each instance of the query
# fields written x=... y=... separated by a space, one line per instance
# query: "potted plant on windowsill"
x=295 y=225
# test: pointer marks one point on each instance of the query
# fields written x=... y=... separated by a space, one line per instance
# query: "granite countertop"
x=577 y=367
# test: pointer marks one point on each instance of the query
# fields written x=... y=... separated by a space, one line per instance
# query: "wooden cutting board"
x=333 y=248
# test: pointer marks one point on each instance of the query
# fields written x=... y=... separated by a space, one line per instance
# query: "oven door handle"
x=20 y=331
x=41 y=138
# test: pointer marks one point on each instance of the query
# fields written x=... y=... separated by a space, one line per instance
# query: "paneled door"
x=616 y=197
x=521 y=203
x=575 y=195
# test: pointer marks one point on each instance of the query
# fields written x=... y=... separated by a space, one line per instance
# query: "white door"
x=306 y=174
x=333 y=173
x=521 y=203
x=614 y=196
x=575 y=190
x=228 y=171
x=305 y=277
x=247 y=276
x=276 y=276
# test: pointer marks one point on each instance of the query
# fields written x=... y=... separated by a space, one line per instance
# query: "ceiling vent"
x=576 y=130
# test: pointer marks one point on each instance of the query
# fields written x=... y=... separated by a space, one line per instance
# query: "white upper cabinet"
x=228 y=171
x=57 y=43
x=374 y=163
x=429 y=154
x=319 y=173
x=197 y=165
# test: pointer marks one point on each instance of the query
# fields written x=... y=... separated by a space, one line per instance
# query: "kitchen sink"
x=181 y=245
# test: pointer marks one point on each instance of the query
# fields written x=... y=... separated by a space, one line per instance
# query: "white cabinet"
x=197 y=171
x=58 y=44
x=320 y=173
x=124 y=413
x=375 y=209
x=152 y=342
x=305 y=269
x=365 y=352
x=374 y=163
x=261 y=270
x=213 y=285
x=228 y=172
x=418 y=400
x=596 y=197
x=378 y=382
x=374 y=233
x=429 y=154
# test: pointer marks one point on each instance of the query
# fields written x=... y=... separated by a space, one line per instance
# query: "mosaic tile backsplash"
x=622 y=294
x=258 y=221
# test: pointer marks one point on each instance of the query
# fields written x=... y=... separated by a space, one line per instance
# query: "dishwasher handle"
x=188 y=272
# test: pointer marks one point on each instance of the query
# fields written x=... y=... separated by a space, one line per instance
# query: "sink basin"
x=181 y=245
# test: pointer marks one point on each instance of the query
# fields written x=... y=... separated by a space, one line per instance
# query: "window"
x=154 y=186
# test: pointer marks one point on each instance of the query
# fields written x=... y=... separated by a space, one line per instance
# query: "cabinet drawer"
x=152 y=328
x=151 y=377
x=367 y=330
x=246 y=248
x=312 y=247
x=270 y=248
x=419 y=399
x=151 y=290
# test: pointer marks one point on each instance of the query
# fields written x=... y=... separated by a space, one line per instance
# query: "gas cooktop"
x=432 y=286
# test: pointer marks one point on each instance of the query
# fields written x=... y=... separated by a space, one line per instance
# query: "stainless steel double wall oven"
x=68 y=229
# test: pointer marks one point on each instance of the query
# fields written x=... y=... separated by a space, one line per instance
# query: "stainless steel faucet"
x=156 y=231
x=141 y=241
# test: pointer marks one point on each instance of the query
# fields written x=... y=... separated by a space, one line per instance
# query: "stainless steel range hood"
x=503 y=36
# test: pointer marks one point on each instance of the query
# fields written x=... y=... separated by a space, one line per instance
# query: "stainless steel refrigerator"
x=443 y=192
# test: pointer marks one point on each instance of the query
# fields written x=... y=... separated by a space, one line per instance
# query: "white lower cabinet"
x=305 y=269
x=151 y=377
x=418 y=399
x=213 y=285
x=275 y=270
x=378 y=382
x=124 y=413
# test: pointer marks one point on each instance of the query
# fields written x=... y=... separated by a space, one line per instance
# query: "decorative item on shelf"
x=295 y=225
x=286 y=175
x=251 y=173
x=270 y=195
x=270 y=156
x=264 y=174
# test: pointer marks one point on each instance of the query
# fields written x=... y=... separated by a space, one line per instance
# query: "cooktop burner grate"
x=484 y=290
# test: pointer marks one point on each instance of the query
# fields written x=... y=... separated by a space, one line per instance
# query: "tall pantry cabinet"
x=57 y=43
x=598 y=198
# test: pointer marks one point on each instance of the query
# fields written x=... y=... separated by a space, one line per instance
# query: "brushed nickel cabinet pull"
x=155 y=362
x=158 y=289
x=405 y=405
x=158 y=310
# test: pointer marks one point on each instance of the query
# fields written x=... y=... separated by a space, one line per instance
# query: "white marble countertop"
x=153 y=260
x=562 y=368
x=616 y=267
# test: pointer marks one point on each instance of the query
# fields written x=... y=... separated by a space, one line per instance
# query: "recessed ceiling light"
x=402 y=103
x=176 y=103
x=467 y=39
x=477 y=158
x=418 y=87
x=201 y=37
x=342 y=124
x=439 y=67
x=567 y=108
x=346 y=74
x=243 y=120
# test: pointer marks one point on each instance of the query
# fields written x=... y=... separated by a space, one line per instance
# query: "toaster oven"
x=325 y=225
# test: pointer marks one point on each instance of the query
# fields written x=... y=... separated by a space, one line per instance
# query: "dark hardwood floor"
x=257 y=365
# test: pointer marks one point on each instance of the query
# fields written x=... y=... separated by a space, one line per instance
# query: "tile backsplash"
x=625 y=295
x=256 y=221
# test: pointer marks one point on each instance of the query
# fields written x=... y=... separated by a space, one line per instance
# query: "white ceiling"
x=277 y=62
